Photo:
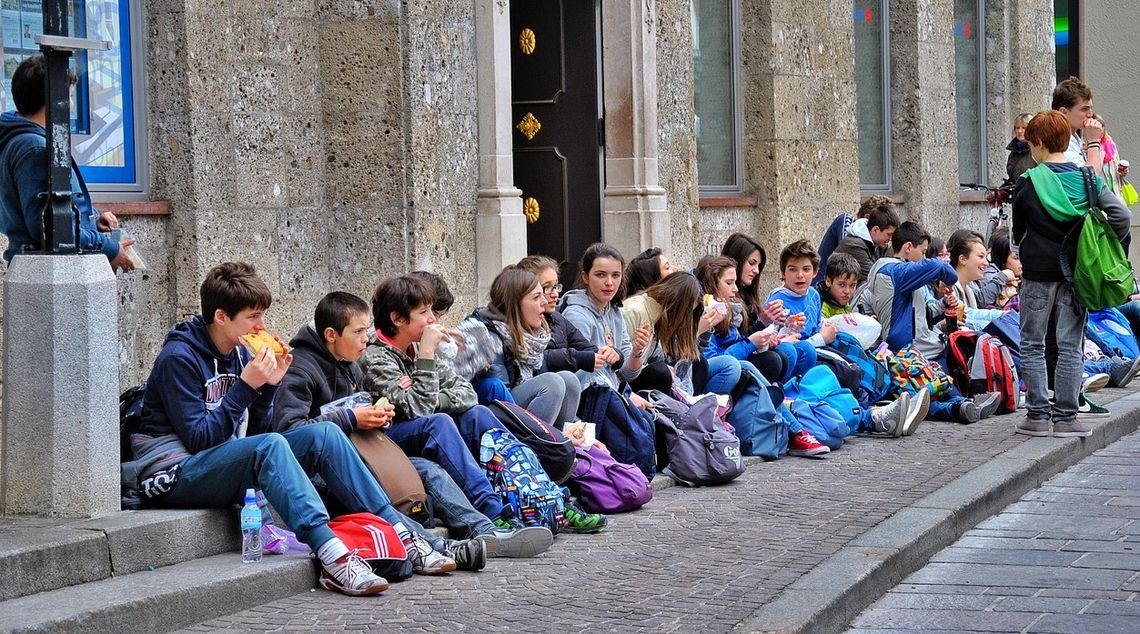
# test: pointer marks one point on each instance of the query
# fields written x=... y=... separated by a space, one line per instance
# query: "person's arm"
x=1017 y=217
x=911 y=276
x=987 y=290
x=1119 y=217
x=261 y=411
x=631 y=365
x=179 y=385
x=382 y=374
x=456 y=394
x=294 y=403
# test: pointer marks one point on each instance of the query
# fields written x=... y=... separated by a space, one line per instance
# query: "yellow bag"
x=1128 y=193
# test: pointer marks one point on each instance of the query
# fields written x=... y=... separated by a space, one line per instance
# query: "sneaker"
x=1094 y=382
x=353 y=576
x=581 y=522
x=968 y=413
x=1088 y=408
x=508 y=524
x=1123 y=373
x=889 y=418
x=1072 y=429
x=425 y=559
x=525 y=542
x=987 y=403
x=805 y=445
x=1030 y=427
x=468 y=554
x=919 y=408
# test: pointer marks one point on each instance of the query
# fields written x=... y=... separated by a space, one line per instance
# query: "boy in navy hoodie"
x=205 y=390
x=324 y=370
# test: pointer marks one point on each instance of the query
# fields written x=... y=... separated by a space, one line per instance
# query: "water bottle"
x=250 y=529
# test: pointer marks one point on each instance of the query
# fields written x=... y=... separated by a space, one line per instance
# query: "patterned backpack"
x=911 y=372
x=519 y=479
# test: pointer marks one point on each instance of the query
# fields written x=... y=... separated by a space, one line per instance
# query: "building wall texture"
x=335 y=142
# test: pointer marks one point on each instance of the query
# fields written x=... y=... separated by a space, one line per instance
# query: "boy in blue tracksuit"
x=802 y=304
x=896 y=294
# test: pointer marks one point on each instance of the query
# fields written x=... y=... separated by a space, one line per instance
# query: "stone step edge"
x=164 y=599
x=833 y=593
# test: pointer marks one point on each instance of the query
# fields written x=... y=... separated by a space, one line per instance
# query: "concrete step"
x=42 y=554
x=164 y=599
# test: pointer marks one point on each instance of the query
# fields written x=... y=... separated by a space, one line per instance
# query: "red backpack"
x=981 y=363
x=376 y=542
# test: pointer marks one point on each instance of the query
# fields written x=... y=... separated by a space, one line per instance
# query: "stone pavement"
x=1066 y=558
x=692 y=560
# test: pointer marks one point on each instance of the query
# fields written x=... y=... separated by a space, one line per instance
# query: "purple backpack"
x=606 y=485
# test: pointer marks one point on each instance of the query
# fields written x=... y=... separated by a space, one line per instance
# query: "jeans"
x=1041 y=302
x=438 y=438
x=653 y=376
x=489 y=389
x=281 y=465
x=723 y=375
x=801 y=358
x=771 y=363
x=943 y=409
x=552 y=396
x=449 y=503
x=1131 y=312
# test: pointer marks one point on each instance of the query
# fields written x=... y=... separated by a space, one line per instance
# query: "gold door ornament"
x=529 y=126
x=531 y=210
x=527 y=41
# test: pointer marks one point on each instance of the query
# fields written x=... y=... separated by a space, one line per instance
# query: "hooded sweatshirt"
x=858 y=244
x=195 y=396
x=810 y=304
x=315 y=379
x=604 y=327
x=1020 y=159
x=23 y=177
x=899 y=301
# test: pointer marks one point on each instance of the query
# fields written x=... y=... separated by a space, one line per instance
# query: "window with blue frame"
x=105 y=138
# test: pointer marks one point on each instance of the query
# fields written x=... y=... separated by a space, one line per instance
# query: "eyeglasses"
x=556 y=289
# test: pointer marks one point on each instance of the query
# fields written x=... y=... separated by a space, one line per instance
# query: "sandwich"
x=259 y=339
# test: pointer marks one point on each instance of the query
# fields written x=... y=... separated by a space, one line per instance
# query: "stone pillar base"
x=500 y=229
x=59 y=452
x=635 y=219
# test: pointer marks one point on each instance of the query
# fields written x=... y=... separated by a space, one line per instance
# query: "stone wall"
x=677 y=141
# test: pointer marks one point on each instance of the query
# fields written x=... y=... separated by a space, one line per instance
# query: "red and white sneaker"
x=805 y=445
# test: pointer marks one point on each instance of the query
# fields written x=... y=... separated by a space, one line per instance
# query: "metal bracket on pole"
x=60 y=219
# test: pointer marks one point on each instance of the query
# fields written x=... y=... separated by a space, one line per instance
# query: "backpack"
x=876 y=381
x=960 y=348
x=821 y=420
x=395 y=473
x=625 y=429
x=819 y=385
x=376 y=542
x=759 y=418
x=1007 y=329
x=911 y=372
x=992 y=370
x=554 y=450
x=607 y=486
x=1110 y=330
x=130 y=415
x=1101 y=273
x=701 y=448
x=847 y=372
x=520 y=481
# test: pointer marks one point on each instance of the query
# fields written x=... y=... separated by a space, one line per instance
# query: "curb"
x=834 y=592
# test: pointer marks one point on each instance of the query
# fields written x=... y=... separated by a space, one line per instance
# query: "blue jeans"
x=801 y=358
x=723 y=375
x=281 y=465
x=943 y=409
x=441 y=439
x=1131 y=312
x=489 y=389
x=1041 y=301
x=449 y=503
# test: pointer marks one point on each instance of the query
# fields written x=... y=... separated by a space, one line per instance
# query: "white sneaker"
x=425 y=559
x=988 y=403
x=353 y=576
x=1094 y=382
x=919 y=408
x=891 y=418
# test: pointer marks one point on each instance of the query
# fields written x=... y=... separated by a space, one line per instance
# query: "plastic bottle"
x=951 y=315
x=250 y=529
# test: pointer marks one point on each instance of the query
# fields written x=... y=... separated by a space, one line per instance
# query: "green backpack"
x=1102 y=274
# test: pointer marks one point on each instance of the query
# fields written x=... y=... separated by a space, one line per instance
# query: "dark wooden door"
x=556 y=112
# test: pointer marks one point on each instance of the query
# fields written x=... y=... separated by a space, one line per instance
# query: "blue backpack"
x=1110 y=330
x=876 y=379
x=518 y=478
x=759 y=417
x=819 y=385
x=626 y=430
x=821 y=420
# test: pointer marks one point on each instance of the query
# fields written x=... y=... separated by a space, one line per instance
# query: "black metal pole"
x=61 y=220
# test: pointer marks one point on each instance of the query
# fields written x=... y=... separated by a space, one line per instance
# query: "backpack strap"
x=1091 y=187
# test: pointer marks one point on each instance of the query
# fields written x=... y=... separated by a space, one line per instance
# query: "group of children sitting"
x=218 y=419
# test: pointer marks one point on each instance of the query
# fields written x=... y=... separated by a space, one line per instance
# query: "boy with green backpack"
x=1051 y=214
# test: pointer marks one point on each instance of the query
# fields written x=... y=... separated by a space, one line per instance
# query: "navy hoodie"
x=196 y=393
x=315 y=379
x=23 y=177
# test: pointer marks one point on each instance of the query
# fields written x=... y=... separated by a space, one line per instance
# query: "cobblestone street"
x=1066 y=558
x=692 y=560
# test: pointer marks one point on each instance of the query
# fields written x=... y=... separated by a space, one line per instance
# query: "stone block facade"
x=334 y=142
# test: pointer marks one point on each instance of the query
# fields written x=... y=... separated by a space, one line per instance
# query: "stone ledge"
x=727 y=201
x=846 y=583
x=137 y=208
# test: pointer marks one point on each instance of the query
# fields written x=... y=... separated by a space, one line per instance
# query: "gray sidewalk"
x=716 y=559
x=1066 y=558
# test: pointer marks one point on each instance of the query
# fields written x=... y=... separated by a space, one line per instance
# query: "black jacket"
x=1020 y=159
x=314 y=379
x=569 y=349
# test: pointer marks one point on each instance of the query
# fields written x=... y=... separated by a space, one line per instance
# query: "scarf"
x=536 y=343
x=1063 y=195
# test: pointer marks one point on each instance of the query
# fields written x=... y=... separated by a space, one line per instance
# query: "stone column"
x=500 y=227
x=1032 y=55
x=925 y=142
x=634 y=213
x=61 y=381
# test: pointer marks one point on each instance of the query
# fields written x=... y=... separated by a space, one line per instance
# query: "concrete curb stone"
x=833 y=593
